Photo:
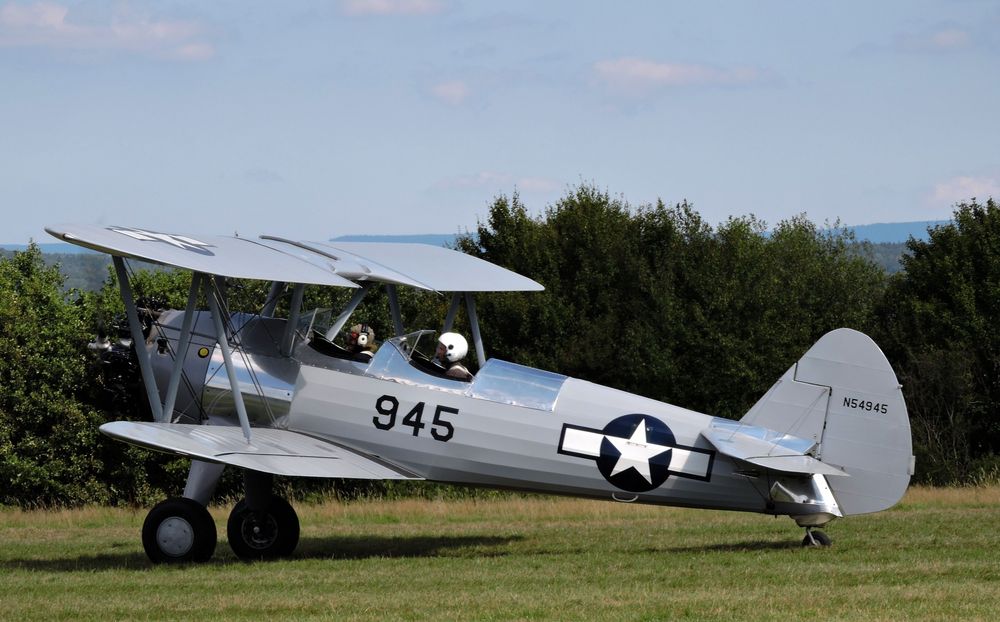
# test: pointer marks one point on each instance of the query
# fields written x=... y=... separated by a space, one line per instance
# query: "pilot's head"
x=451 y=348
x=361 y=337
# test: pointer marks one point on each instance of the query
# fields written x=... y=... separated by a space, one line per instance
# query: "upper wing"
x=227 y=256
x=280 y=452
x=322 y=263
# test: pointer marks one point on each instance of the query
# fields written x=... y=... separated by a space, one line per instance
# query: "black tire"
x=269 y=533
x=179 y=531
x=816 y=539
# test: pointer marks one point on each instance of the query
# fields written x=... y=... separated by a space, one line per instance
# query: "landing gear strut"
x=816 y=538
x=263 y=525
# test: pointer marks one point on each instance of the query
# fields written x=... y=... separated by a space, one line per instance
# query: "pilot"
x=451 y=349
x=361 y=342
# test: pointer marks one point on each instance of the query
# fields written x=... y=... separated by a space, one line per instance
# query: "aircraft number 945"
x=866 y=405
x=387 y=407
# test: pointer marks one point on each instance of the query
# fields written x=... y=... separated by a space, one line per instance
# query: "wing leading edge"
x=281 y=452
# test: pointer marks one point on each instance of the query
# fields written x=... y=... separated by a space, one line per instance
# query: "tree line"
x=649 y=299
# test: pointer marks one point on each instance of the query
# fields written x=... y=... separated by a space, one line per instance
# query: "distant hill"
x=56 y=247
x=83 y=269
x=434 y=239
x=876 y=233
x=894 y=232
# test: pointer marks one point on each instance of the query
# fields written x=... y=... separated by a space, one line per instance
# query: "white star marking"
x=180 y=241
x=635 y=452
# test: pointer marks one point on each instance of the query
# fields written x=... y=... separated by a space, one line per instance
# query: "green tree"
x=939 y=324
x=48 y=435
x=655 y=301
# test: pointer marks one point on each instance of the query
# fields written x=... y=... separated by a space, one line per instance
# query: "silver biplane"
x=277 y=396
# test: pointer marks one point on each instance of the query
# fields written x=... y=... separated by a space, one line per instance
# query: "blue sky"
x=318 y=119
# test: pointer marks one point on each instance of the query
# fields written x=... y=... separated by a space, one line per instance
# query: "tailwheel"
x=177 y=531
x=816 y=538
x=264 y=533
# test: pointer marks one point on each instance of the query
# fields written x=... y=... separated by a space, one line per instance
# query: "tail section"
x=843 y=395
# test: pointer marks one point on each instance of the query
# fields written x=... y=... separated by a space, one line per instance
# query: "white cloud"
x=391 y=7
x=959 y=189
x=453 y=92
x=638 y=74
x=944 y=39
x=50 y=24
x=950 y=38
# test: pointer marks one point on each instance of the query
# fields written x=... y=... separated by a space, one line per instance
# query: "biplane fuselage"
x=512 y=427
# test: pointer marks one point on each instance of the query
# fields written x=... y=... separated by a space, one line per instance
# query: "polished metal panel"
x=266 y=383
x=187 y=405
x=809 y=501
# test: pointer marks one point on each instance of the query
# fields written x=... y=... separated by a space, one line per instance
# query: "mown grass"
x=933 y=557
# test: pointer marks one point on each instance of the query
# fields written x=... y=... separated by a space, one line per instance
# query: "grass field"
x=933 y=557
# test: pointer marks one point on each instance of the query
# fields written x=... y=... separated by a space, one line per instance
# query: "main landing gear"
x=178 y=530
x=262 y=526
x=268 y=531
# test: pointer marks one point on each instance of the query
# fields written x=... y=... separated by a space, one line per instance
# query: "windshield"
x=418 y=344
x=316 y=320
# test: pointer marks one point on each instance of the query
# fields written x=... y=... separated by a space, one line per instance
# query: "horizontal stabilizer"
x=776 y=453
x=804 y=465
x=281 y=452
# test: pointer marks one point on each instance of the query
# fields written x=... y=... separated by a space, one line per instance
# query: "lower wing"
x=281 y=452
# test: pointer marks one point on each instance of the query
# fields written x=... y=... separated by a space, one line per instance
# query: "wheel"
x=816 y=538
x=178 y=531
x=268 y=533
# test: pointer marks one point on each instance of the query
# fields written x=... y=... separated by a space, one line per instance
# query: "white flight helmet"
x=455 y=346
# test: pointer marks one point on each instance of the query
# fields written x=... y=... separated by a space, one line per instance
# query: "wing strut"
x=470 y=307
x=477 y=338
x=227 y=357
x=138 y=341
x=293 y=320
x=348 y=310
x=272 y=298
x=449 y=320
x=397 y=319
x=182 y=346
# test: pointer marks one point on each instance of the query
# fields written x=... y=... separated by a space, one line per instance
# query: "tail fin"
x=843 y=395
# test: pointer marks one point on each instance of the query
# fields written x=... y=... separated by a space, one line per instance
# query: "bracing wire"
x=202 y=415
x=238 y=348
